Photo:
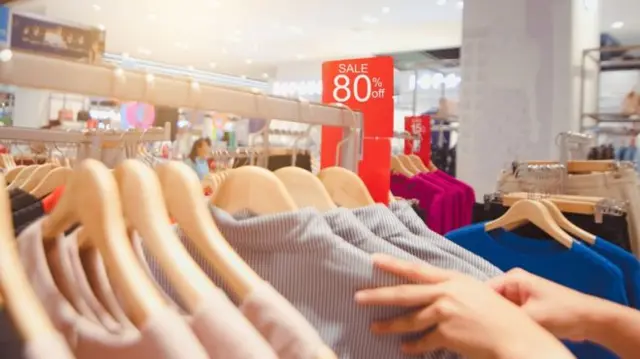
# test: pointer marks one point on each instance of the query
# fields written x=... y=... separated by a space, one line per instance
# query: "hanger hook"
x=352 y=128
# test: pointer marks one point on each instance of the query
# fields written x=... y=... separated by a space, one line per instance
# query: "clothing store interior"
x=319 y=179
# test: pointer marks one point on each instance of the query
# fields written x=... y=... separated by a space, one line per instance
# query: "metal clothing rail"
x=84 y=136
x=29 y=70
x=89 y=143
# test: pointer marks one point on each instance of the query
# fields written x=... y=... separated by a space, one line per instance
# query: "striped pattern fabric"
x=381 y=221
x=408 y=217
x=316 y=271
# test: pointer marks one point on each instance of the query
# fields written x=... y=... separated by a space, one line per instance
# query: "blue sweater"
x=577 y=267
x=628 y=264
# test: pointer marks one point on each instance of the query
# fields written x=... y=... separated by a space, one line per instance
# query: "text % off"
x=354 y=81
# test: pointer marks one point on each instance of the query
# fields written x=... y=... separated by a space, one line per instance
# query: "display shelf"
x=613 y=117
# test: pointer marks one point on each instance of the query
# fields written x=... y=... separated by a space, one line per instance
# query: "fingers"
x=429 y=343
x=411 y=323
x=417 y=273
x=409 y=295
x=513 y=285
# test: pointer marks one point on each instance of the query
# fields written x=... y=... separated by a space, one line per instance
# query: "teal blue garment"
x=200 y=166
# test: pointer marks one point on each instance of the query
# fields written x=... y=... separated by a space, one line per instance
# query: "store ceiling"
x=252 y=37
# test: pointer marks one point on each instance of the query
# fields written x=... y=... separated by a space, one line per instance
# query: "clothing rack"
x=85 y=136
x=89 y=142
x=34 y=71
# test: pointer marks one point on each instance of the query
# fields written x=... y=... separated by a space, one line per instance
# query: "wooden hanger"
x=22 y=176
x=183 y=197
x=19 y=299
x=253 y=188
x=13 y=173
x=566 y=203
x=562 y=221
x=55 y=178
x=146 y=213
x=36 y=177
x=536 y=213
x=398 y=167
x=417 y=162
x=408 y=164
x=345 y=188
x=306 y=189
x=91 y=199
x=567 y=225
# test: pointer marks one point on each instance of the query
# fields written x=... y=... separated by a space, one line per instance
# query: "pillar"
x=520 y=81
x=31 y=107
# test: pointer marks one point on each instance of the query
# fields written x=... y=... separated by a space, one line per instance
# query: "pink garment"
x=452 y=200
x=79 y=288
x=47 y=347
x=289 y=333
x=430 y=198
x=164 y=336
x=222 y=329
x=468 y=199
x=92 y=266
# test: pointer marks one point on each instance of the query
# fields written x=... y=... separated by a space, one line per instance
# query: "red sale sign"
x=364 y=85
x=418 y=126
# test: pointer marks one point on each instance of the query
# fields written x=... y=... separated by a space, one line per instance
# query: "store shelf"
x=613 y=117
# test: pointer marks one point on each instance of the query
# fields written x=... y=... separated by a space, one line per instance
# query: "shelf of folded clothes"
x=613 y=117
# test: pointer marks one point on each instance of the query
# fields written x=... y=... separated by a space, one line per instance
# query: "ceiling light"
x=248 y=61
x=370 y=19
x=441 y=2
x=125 y=55
x=150 y=78
x=460 y=4
x=617 y=25
x=101 y=27
x=243 y=76
x=118 y=72
x=190 y=68
x=386 y=10
x=97 y=7
x=265 y=75
x=6 y=55
x=213 y=65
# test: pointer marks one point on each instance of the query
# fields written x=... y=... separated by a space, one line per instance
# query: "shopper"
x=505 y=319
x=200 y=151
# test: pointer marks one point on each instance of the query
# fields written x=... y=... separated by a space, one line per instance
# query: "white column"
x=520 y=81
x=31 y=108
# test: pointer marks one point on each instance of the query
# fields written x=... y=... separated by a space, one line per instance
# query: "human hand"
x=467 y=316
x=561 y=310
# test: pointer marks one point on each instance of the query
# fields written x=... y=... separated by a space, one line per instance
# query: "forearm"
x=549 y=348
x=615 y=327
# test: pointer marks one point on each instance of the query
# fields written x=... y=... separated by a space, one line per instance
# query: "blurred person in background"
x=197 y=159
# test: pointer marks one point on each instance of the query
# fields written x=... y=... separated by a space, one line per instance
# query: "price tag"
x=365 y=85
x=418 y=126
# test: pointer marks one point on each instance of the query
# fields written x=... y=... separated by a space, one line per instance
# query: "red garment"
x=50 y=202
